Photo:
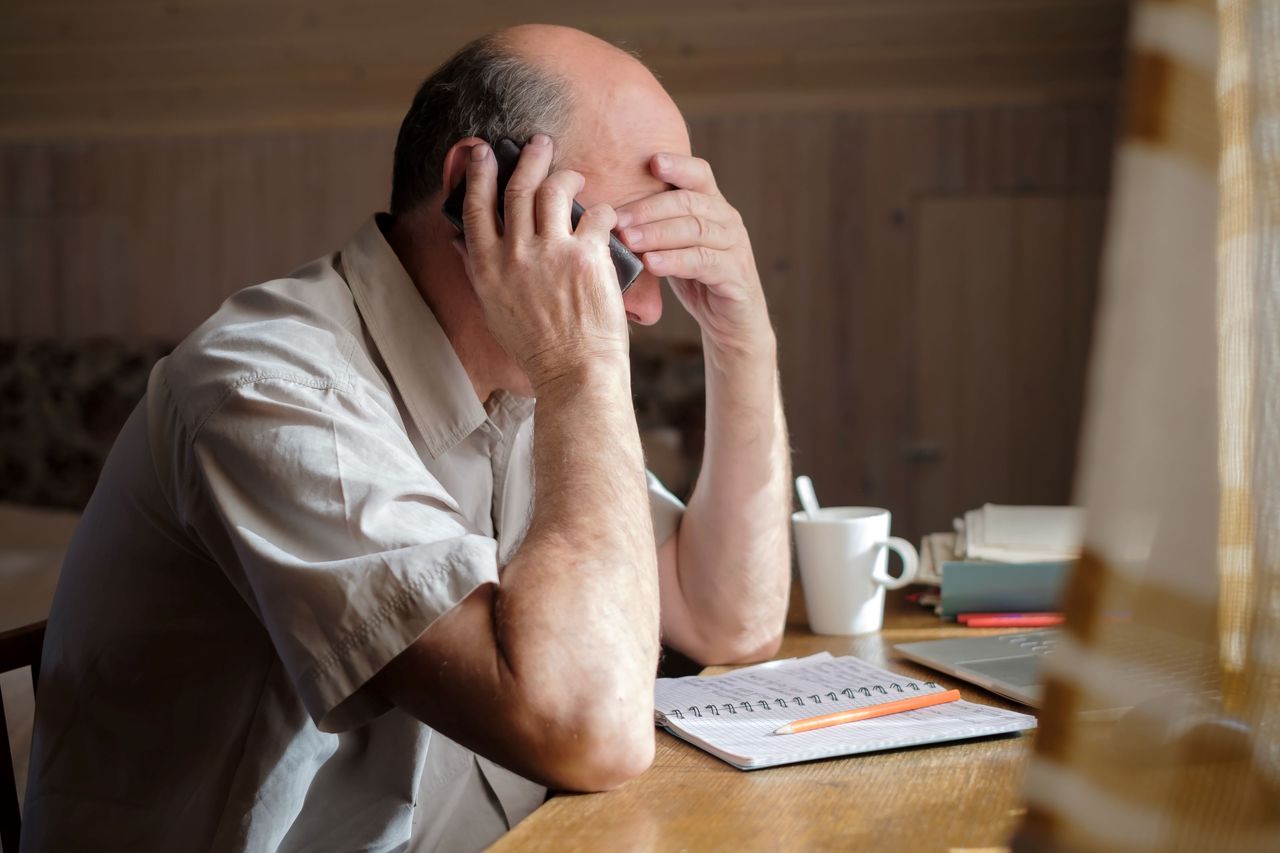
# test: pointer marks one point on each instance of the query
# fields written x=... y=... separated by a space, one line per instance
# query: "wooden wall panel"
x=113 y=67
x=1005 y=290
x=890 y=157
x=146 y=237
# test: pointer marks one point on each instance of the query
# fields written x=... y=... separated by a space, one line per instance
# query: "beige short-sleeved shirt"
x=308 y=484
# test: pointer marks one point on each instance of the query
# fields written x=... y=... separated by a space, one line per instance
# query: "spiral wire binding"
x=799 y=701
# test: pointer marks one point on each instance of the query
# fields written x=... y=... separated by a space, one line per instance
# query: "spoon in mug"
x=808 y=497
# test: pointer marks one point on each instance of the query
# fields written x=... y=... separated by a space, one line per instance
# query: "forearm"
x=577 y=609
x=733 y=547
x=550 y=672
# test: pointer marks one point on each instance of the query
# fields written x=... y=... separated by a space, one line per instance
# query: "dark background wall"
x=924 y=181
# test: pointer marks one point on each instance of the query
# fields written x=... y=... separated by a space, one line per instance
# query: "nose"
x=643 y=300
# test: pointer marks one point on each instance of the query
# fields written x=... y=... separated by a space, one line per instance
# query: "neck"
x=421 y=242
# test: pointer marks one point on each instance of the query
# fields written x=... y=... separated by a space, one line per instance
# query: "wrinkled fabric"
x=309 y=483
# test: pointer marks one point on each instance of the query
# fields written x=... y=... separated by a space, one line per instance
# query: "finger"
x=530 y=172
x=554 y=201
x=596 y=223
x=678 y=233
x=709 y=266
x=683 y=170
x=479 y=223
x=672 y=203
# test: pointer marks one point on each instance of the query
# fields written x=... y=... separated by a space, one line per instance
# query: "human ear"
x=455 y=162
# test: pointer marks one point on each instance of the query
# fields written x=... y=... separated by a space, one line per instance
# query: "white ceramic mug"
x=844 y=561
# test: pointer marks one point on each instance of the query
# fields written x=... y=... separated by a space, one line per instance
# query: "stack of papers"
x=1021 y=534
x=1001 y=559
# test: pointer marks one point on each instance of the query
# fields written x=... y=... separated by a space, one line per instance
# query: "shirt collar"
x=431 y=379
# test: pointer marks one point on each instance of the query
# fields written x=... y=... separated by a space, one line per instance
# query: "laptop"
x=1008 y=664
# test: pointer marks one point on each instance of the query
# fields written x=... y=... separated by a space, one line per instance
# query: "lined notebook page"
x=733 y=716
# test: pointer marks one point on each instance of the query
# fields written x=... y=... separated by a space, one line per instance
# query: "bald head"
x=560 y=47
x=617 y=103
x=607 y=116
x=605 y=110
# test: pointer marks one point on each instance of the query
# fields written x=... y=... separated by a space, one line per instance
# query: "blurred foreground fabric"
x=1161 y=722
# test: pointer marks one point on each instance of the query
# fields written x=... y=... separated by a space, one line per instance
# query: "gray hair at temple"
x=484 y=90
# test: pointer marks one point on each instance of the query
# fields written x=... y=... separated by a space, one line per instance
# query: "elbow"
x=738 y=647
x=578 y=741
x=599 y=756
x=750 y=649
x=761 y=649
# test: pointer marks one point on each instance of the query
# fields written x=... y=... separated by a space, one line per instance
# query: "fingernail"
x=624 y=219
x=479 y=152
x=663 y=161
x=540 y=139
x=634 y=236
x=654 y=259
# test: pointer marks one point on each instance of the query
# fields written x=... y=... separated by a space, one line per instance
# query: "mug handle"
x=910 y=562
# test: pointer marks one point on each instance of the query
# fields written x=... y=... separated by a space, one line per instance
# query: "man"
x=334 y=591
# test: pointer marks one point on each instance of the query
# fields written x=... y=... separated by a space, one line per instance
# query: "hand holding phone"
x=545 y=290
x=507 y=154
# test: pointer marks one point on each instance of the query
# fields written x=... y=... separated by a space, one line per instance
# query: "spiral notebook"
x=733 y=716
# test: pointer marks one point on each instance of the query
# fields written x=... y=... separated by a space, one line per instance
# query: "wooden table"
x=961 y=796
x=32 y=542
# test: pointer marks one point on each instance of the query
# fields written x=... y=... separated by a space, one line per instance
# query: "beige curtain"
x=1161 y=726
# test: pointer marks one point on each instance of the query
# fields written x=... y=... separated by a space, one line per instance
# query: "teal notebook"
x=971 y=586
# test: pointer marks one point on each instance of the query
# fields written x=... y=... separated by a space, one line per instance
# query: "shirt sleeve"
x=666 y=509
x=319 y=510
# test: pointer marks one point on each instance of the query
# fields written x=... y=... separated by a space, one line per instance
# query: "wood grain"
x=144 y=238
x=957 y=796
x=152 y=191
x=76 y=69
x=1004 y=314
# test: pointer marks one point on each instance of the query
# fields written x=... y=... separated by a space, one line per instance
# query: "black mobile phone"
x=507 y=153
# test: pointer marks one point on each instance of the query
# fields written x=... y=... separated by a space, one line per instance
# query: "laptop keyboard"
x=1155 y=668
x=1033 y=642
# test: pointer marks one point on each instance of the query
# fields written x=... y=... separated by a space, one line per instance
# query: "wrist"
x=753 y=353
x=597 y=374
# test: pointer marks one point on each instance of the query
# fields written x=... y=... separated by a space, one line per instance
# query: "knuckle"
x=548 y=192
x=581 y=261
x=710 y=259
x=605 y=219
x=702 y=228
x=517 y=190
x=600 y=214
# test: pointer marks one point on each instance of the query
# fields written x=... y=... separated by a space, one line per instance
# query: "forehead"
x=615 y=132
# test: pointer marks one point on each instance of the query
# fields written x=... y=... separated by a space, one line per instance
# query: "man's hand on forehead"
x=692 y=235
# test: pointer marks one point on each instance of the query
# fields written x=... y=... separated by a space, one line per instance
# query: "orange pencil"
x=897 y=706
